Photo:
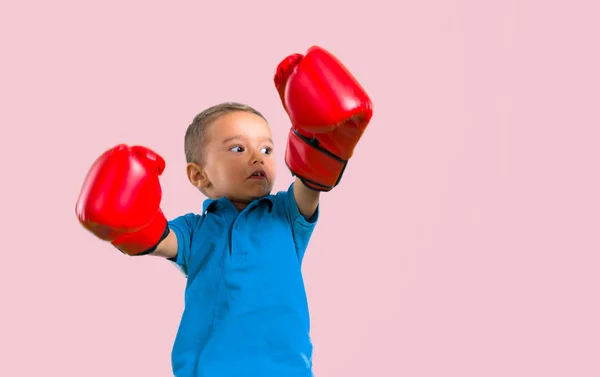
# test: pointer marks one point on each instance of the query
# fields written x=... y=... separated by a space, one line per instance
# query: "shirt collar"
x=213 y=204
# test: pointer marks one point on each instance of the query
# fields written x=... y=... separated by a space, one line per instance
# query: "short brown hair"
x=195 y=136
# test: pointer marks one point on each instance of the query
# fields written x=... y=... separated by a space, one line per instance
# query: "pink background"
x=463 y=241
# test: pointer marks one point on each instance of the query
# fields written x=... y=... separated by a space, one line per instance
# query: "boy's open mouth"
x=258 y=174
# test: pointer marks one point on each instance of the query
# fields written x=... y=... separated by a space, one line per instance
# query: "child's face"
x=238 y=159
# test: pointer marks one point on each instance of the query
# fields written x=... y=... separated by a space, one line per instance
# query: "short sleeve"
x=302 y=228
x=183 y=227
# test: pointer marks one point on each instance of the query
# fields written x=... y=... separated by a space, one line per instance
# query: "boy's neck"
x=239 y=205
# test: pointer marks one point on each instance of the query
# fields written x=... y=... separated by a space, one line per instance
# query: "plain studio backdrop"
x=462 y=241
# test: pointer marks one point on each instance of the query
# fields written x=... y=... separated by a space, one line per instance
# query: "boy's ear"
x=197 y=176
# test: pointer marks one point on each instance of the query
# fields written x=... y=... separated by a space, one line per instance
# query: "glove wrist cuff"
x=315 y=166
x=145 y=240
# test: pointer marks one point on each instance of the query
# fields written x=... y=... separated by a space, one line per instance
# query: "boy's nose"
x=257 y=159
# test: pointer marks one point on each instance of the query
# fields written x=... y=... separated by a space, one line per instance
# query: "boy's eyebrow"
x=229 y=139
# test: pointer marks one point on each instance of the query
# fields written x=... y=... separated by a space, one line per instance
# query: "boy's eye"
x=267 y=150
x=237 y=149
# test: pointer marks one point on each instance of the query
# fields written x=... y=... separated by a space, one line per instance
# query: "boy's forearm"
x=167 y=248
x=307 y=199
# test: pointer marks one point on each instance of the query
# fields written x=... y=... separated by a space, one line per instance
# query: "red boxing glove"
x=120 y=199
x=329 y=111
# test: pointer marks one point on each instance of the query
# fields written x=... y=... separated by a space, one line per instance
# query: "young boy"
x=246 y=312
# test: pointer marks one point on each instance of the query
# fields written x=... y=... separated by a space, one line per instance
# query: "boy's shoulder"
x=188 y=220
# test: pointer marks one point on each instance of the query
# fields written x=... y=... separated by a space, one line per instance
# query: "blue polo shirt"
x=246 y=311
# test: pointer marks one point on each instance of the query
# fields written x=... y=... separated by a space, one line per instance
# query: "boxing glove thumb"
x=151 y=159
x=283 y=72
